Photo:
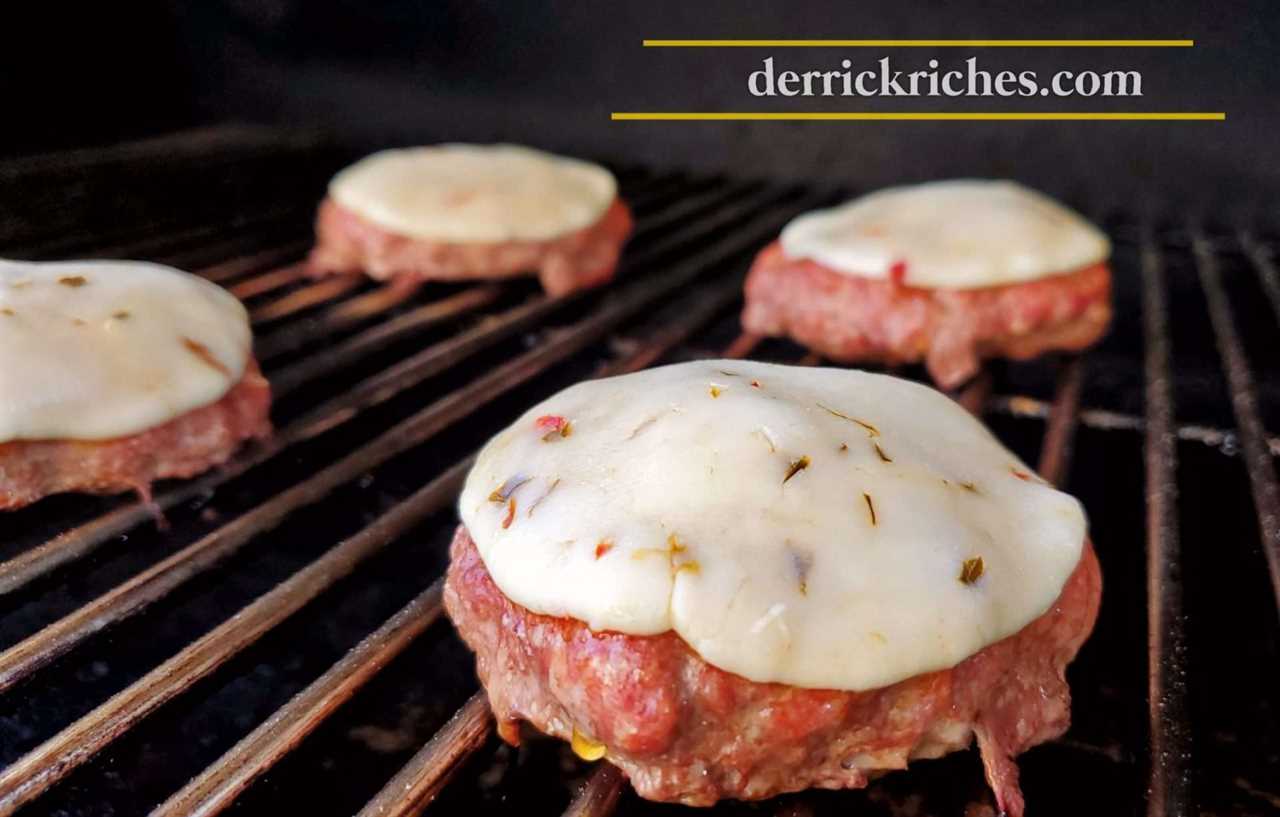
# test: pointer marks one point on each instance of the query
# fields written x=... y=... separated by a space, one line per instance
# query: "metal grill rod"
x=48 y=763
x=293 y=338
x=715 y=210
x=1020 y=405
x=157 y=581
x=270 y=258
x=326 y=694
x=369 y=305
x=352 y=311
x=219 y=784
x=703 y=306
x=1265 y=265
x=641 y=187
x=411 y=370
x=298 y=335
x=664 y=190
x=144 y=241
x=692 y=208
x=1059 y=433
x=1244 y=402
x=742 y=346
x=973 y=396
x=599 y=795
x=427 y=772
x=311 y=295
x=250 y=243
x=1168 y=793
x=273 y=279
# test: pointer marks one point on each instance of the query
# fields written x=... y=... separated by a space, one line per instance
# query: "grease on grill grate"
x=281 y=645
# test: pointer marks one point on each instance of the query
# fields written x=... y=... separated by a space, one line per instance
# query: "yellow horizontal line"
x=632 y=116
x=919 y=43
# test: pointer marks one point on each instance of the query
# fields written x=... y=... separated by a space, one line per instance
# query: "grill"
x=277 y=642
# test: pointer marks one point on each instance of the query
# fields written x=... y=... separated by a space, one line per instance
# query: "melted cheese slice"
x=91 y=350
x=733 y=502
x=475 y=193
x=963 y=234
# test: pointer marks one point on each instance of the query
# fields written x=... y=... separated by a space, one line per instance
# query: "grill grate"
x=290 y=609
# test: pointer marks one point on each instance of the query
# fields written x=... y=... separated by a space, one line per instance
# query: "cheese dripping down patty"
x=475 y=193
x=822 y=528
x=961 y=234
x=92 y=350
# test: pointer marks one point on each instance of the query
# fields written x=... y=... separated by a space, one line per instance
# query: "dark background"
x=402 y=71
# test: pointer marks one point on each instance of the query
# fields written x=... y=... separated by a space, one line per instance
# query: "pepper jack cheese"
x=475 y=193
x=91 y=350
x=961 y=234
x=821 y=528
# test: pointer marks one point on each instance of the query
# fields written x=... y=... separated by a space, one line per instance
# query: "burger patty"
x=850 y=318
x=685 y=731
x=184 y=446
x=346 y=242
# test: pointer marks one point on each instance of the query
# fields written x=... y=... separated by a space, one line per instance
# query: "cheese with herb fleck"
x=960 y=234
x=91 y=350
x=475 y=193
x=814 y=527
